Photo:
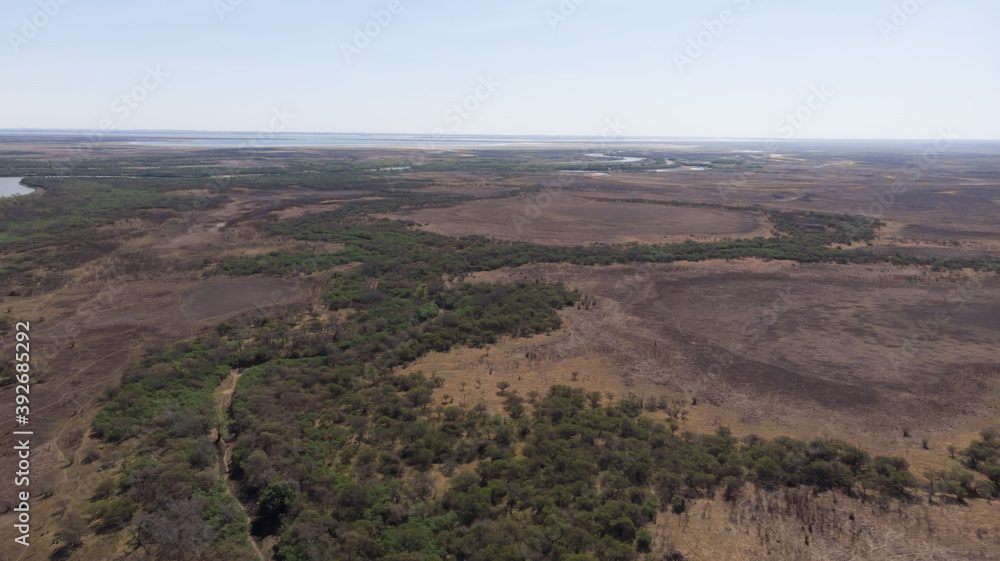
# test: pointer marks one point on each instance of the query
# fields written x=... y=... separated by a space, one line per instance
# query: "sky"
x=906 y=69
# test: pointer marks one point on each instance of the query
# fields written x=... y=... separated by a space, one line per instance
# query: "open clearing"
x=871 y=350
x=578 y=221
x=223 y=297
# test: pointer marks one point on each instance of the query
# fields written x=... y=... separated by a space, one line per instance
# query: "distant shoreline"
x=431 y=140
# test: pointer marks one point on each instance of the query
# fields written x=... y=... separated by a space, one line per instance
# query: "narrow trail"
x=223 y=398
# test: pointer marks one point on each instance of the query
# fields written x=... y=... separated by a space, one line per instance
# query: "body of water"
x=618 y=159
x=290 y=140
x=200 y=139
x=12 y=186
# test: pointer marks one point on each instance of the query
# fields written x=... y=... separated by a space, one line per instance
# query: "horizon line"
x=480 y=135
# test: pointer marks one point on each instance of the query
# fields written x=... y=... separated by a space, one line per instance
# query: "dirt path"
x=223 y=398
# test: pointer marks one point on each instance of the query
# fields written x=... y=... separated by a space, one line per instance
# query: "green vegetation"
x=171 y=495
x=45 y=234
x=387 y=244
x=73 y=203
x=984 y=456
x=175 y=381
x=339 y=454
x=342 y=452
x=569 y=479
x=806 y=237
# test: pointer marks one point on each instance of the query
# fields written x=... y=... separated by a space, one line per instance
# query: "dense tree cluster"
x=984 y=456
x=384 y=244
x=72 y=203
x=344 y=455
x=43 y=235
x=171 y=494
x=345 y=461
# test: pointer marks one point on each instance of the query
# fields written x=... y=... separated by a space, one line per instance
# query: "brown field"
x=580 y=221
x=820 y=370
x=812 y=362
x=778 y=341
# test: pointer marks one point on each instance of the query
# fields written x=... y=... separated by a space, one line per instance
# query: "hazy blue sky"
x=230 y=65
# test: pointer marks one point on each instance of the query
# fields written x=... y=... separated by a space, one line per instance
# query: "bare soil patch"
x=224 y=297
x=211 y=228
x=578 y=221
x=869 y=350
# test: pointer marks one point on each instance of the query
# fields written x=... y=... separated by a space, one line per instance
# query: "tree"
x=112 y=514
x=768 y=473
x=643 y=541
x=70 y=535
x=514 y=405
x=276 y=499
x=177 y=529
x=992 y=472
